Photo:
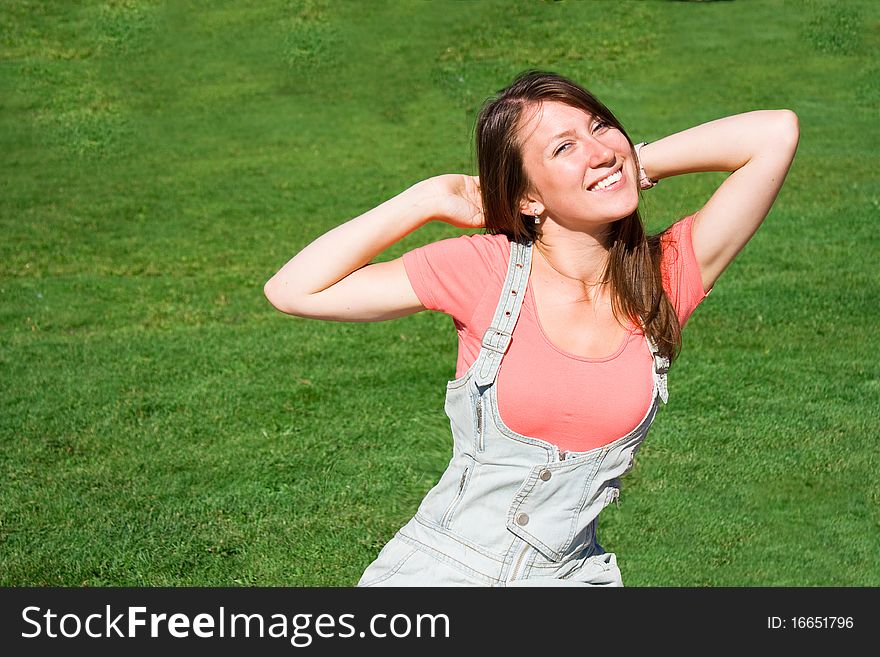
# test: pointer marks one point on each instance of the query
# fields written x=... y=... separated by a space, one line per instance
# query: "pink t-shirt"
x=573 y=402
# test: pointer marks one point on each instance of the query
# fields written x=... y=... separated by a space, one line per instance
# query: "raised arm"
x=758 y=148
x=331 y=279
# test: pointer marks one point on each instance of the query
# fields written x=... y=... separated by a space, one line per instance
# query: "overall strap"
x=661 y=367
x=496 y=339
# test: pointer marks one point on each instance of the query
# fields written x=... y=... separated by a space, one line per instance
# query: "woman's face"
x=581 y=170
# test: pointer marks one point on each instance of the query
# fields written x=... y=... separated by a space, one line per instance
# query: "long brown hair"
x=633 y=267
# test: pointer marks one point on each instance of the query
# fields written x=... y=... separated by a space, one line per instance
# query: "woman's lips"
x=614 y=186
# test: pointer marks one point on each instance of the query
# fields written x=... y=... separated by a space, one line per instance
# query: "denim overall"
x=511 y=510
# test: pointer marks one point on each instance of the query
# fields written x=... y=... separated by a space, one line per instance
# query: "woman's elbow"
x=788 y=129
x=275 y=295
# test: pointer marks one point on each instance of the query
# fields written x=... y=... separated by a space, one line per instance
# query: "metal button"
x=522 y=519
x=545 y=475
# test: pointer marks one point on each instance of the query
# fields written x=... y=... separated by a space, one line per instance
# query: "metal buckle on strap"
x=496 y=340
x=661 y=364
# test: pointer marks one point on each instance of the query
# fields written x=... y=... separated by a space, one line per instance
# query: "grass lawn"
x=163 y=425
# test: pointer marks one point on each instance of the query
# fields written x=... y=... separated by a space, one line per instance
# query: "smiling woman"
x=568 y=316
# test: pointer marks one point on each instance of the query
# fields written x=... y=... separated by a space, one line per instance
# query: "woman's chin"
x=619 y=210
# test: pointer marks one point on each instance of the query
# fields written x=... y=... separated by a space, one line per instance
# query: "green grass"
x=163 y=425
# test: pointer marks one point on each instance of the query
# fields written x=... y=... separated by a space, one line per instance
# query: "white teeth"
x=606 y=182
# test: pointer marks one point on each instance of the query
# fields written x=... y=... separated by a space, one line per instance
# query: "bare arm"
x=330 y=278
x=758 y=148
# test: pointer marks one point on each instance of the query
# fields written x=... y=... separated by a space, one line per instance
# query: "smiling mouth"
x=608 y=181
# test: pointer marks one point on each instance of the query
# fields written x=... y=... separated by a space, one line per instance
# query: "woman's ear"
x=531 y=207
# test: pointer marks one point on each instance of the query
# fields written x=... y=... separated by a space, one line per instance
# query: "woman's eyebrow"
x=567 y=133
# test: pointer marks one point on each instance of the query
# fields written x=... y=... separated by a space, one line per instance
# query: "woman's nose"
x=601 y=155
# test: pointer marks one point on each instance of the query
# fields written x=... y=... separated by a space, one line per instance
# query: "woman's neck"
x=579 y=256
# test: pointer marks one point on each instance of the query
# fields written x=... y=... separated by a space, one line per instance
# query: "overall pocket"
x=449 y=514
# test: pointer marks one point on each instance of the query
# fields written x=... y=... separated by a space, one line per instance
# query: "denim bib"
x=511 y=510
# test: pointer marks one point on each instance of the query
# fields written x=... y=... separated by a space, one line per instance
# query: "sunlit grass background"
x=162 y=424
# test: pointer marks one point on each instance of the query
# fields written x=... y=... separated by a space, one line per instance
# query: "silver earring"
x=537 y=217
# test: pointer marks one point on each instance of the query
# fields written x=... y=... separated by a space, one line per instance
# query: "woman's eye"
x=562 y=148
x=599 y=125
